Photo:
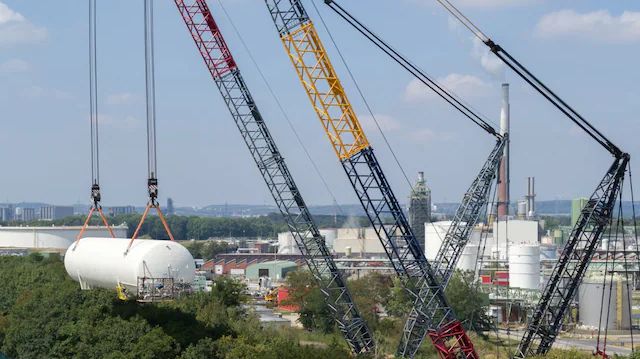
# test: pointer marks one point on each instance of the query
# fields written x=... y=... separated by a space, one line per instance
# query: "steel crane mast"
x=586 y=234
x=228 y=79
x=474 y=200
x=431 y=312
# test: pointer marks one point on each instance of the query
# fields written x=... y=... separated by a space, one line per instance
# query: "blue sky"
x=585 y=50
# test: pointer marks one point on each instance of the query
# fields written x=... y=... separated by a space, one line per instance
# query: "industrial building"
x=52 y=238
x=50 y=213
x=274 y=270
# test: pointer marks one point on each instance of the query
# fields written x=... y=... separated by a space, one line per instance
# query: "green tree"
x=469 y=304
x=304 y=293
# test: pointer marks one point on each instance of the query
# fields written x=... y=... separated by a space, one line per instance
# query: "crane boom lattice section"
x=318 y=77
x=457 y=237
x=572 y=264
x=275 y=173
x=325 y=91
x=468 y=214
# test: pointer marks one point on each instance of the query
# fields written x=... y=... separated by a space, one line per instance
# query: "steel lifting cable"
x=152 y=159
x=361 y=93
x=96 y=207
x=626 y=274
x=635 y=234
x=602 y=351
x=532 y=80
x=440 y=90
x=281 y=108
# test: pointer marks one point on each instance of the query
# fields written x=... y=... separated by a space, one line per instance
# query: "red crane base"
x=451 y=341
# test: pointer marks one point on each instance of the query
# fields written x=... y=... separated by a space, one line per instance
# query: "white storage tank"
x=102 y=263
x=590 y=296
x=524 y=266
x=434 y=233
x=330 y=236
x=287 y=244
x=469 y=258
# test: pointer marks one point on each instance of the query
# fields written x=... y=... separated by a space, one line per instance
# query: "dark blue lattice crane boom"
x=275 y=173
x=431 y=314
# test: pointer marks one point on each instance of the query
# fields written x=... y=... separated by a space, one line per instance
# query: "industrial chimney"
x=531 y=197
x=503 y=172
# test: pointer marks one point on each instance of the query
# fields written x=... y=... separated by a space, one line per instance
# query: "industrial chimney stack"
x=503 y=172
x=531 y=197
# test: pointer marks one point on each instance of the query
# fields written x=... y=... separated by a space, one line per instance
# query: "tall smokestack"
x=531 y=197
x=503 y=172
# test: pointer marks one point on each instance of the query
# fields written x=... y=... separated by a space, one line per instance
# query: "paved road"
x=614 y=343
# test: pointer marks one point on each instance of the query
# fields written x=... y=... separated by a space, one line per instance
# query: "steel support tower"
x=432 y=314
x=225 y=73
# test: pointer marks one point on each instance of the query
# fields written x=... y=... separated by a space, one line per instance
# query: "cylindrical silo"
x=102 y=263
x=590 y=299
x=469 y=258
x=330 y=236
x=287 y=244
x=524 y=266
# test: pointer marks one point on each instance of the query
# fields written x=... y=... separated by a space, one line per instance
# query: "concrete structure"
x=420 y=208
x=590 y=299
x=524 y=266
x=51 y=238
x=363 y=242
x=102 y=263
x=503 y=170
x=276 y=270
x=50 y=213
x=576 y=208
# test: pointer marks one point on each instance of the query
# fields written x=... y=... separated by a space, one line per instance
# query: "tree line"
x=199 y=228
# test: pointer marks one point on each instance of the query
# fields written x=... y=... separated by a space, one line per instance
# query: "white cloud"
x=386 y=122
x=597 y=25
x=464 y=86
x=489 y=62
x=124 y=98
x=8 y=15
x=16 y=29
x=41 y=92
x=14 y=66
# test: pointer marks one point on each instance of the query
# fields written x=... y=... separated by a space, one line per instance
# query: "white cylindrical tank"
x=524 y=266
x=434 y=233
x=469 y=258
x=287 y=244
x=590 y=297
x=102 y=263
x=330 y=236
